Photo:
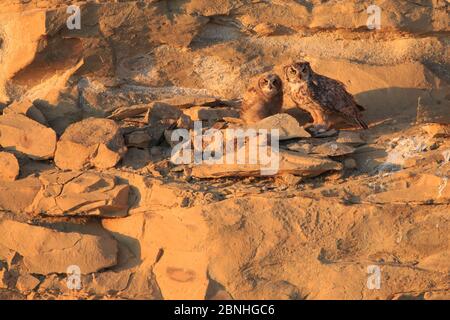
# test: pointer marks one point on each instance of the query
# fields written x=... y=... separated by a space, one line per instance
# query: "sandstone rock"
x=187 y=101
x=110 y=282
x=122 y=113
x=16 y=196
x=19 y=133
x=333 y=149
x=350 y=164
x=287 y=125
x=27 y=283
x=90 y=143
x=265 y=29
x=4 y=279
x=350 y=137
x=162 y=111
x=53 y=252
x=304 y=148
x=139 y=139
x=435 y=130
x=136 y=158
x=142 y=285
x=26 y=108
x=321 y=133
x=437 y=262
x=9 y=166
x=146 y=233
x=182 y=275
x=210 y=113
x=433 y=109
x=75 y=193
x=30 y=25
x=423 y=189
x=283 y=162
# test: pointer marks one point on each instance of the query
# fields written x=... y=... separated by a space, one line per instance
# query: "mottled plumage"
x=262 y=100
x=321 y=96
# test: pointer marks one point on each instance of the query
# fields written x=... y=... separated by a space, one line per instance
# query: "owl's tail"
x=361 y=123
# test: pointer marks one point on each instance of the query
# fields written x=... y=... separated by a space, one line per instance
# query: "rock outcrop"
x=91 y=117
x=9 y=166
x=78 y=194
x=90 y=143
x=20 y=133
x=53 y=252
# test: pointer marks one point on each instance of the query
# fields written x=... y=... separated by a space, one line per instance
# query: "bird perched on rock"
x=321 y=97
x=263 y=99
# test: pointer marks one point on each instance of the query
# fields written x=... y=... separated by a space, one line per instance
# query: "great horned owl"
x=321 y=96
x=262 y=100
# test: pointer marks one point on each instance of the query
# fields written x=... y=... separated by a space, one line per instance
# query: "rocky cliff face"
x=158 y=230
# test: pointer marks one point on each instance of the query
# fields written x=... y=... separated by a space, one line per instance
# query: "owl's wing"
x=333 y=96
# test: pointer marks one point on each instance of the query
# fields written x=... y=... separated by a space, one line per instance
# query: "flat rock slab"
x=286 y=124
x=351 y=138
x=17 y=196
x=9 y=166
x=90 y=143
x=51 y=251
x=130 y=112
x=199 y=113
x=430 y=112
x=422 y=189
x=81 y=194
x=286 y=162
x=22 y=134
x=187 y=101
x=333 y=149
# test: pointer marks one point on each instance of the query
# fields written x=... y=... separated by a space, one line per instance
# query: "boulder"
x=22 y=134
x=78 y=193
x=90 y=143
x=27 y=283
x=16 y=196
x=53 y=252
x=26 y=108
x=9 y=166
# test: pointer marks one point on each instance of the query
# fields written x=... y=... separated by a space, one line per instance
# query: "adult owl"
x=262 y=100
x=321 y=97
